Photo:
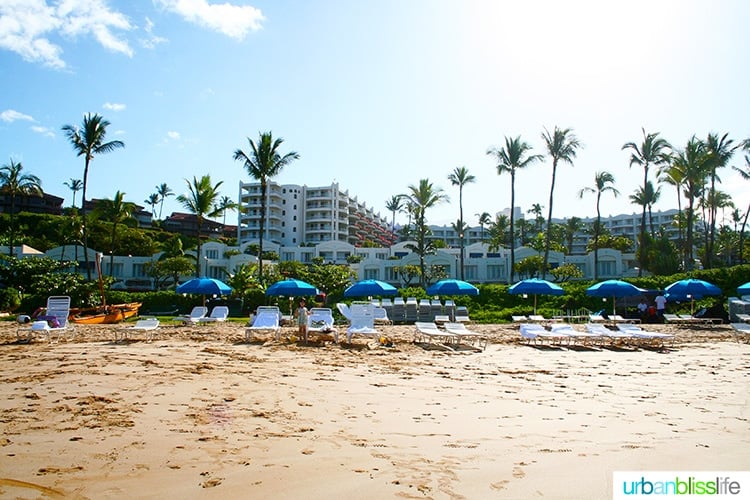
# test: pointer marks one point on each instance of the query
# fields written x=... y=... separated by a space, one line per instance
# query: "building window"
x=139 y=270
x=212 y=253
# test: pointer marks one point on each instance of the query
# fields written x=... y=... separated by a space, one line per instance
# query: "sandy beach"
x=200 y=413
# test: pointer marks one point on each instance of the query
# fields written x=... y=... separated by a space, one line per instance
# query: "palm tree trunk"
x=641 y=244
x=689 y=236
x=680 y=230
x=512 y=219
x=112 y=252
x=712 y=216
x=198 y=257
x=549 y=219
x=596 y=237
x=461 y=227
x=83 y=218
x=12 y=222
x=262 y=226
x=742 y=236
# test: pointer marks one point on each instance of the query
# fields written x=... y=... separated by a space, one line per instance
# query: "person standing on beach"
x=302 y=319
x=661 y=305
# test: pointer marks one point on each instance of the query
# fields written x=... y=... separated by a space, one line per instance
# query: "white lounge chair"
x=464 y=335
x=429 y=333
x=344 y=310
x=615 y=337
x=538 y=334
x=219 y=313
x=519 y=319
x=575 y=336
x=362 y=321
x=265 y=320
x=320 y=320
x=195 y=315
x=145 y=325
x=656 y=339
x=380 y=316
x=741 y=331
x=461 y=315
x=53 y=322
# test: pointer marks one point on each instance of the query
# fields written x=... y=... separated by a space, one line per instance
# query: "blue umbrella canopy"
x=691 y=289
x=370 y=288
x=205 y=286
x=535 y=286
x=614 y=289
x=744 y=289
x=452 y=287
x=292 y=288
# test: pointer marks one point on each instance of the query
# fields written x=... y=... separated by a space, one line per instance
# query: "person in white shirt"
x=661 y=304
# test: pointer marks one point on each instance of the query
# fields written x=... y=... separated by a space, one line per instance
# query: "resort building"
x=303 y=215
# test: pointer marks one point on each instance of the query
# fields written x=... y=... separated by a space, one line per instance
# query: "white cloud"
x=232 y=20
x=175 y=136
x=11 y=115
x=27 y=26
x=114 y=106
x=153 y=40
x=46 y=131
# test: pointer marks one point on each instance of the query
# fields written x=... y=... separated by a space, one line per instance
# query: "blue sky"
x=374 y=95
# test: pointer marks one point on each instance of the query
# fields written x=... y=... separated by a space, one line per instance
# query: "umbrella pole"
x=534 y=304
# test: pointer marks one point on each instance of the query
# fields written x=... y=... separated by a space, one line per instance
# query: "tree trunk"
x=263 y=187
x=549 y=218
x=83 y=219
x=512 y=219
x=642 y=253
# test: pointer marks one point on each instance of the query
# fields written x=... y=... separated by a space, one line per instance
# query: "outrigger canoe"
x=105 y=315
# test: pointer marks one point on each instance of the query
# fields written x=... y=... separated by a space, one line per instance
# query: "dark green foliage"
x=10 y=299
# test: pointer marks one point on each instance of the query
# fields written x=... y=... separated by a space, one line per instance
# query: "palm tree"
x=745 y=175
x=88 y=141
x=652 y=151
x=420 y=198
x=200 y=201
x=498 y=230
x=561 y=147
x=226 y=203
x=572 y=227
x=510 y=158
x=692 y=163
x=536 y=209
x=671 y=174
x=394 y=205
x=603 y=182
x=264 y=162
x=74 y=185
x=484 y=219
x=720 y=151
x=460 y=177
x=117 y=211
x=15 y=183
x=153 y=200
x=163 y=191
x=647 y=198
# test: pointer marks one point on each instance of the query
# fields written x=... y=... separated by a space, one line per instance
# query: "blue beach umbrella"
x=291 y=288
x=614 y=289
x=535 y=286
x=691 y=289
x=204 y=286
x=452 y=287
x=744 y=289
x=370 y=288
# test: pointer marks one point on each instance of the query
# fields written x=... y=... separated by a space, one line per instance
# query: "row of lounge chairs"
x=594 y=335
x=199 y=314
x=592 y=318
x=411 y=310
x=451 y=337
x=684 y=319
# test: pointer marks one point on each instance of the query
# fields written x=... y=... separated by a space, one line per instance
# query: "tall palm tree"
x=484 y=219
x=74 y=185
x=603 y=183
x=536 y=209
x=225 y=204
x=692 y=162
x=263 y=162
x=562 y=146
x=511 y=158
x=460 y=177
x=153 y=200
x=420 y=198
x=653 y=150
x=200 y=201
x=745 y=174
x=88 y=141
x=395 y=204
x=720 y=151
x=673 y=175
x=163 y=191
x=117 y=211
x=647 y=198
x=14 y=183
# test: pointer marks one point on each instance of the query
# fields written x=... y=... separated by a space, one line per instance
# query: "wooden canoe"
x=105 y=315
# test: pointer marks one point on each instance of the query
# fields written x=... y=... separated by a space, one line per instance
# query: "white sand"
x=198 y=413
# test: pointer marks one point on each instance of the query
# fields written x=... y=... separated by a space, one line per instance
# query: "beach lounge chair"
x=538 y=334
x=144 y=325
x=320 y=320
x=519 y=319
x=265 y=320
x=597 y=318
x=219 y=313
x=450 y=308
x=398 y=310
x=538 y=318
x=615 y=337
x=745 y=318
x=427 y=332
x=675 y=319
x=344 y=310
x=441 y=319
x=53 y=322
x=466 y=336
x=566 y=331
x=380 y=316
x=741 y=331
x=461 y=315
x=362 y=321
x=411 y=310
x=653 y=339
x=195 y=315
x=424 y=311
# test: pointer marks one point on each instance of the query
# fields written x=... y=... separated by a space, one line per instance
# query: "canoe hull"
x=105 y=316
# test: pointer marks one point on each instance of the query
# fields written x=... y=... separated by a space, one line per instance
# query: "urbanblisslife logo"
x=733 y=485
